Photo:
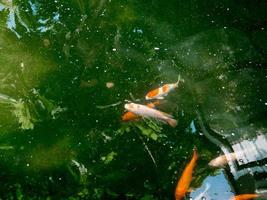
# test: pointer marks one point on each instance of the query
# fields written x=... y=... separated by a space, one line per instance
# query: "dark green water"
x=61 y=134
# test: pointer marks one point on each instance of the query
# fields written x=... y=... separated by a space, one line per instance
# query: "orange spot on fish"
x=165 y=88
x=153 y=93
x=128 y=116
x=153 y=104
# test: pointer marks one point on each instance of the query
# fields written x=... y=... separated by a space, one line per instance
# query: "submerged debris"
x=109 y=157
x=23 y=115
x=81 y=167
x=109 y=84
x=6 y=147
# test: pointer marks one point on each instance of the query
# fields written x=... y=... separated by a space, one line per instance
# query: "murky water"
x=68 y=68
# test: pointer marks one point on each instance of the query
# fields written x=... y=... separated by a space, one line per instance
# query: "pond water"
x=68 y=67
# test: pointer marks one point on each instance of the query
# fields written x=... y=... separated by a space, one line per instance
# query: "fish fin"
x=155 y=103
x=172 y=122
x=150 y=105
x=177 y=83
x=160 y=98
x=128 y=101
x=190 y=189
x=167 y=115
x=195 y=154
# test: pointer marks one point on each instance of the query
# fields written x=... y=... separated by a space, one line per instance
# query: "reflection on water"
x=67 y=68
x=213 y=187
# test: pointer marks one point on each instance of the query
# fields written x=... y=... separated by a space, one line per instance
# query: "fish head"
x=218 y=162
x=213 y=163
x=129 y=106
x=148 y=98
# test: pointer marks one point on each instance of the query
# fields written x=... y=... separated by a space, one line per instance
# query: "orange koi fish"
x=163 y=91
x=185 y=180
x=246 y=196
x=129 y=116
x=145 y=111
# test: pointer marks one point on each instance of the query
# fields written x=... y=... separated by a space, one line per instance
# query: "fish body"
x=129 y=116
x=161 y=92
x=246 y=196
x=186 y=178
x=145 y=111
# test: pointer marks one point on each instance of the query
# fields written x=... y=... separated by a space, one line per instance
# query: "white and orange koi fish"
x=163 y=91
x=146 y=111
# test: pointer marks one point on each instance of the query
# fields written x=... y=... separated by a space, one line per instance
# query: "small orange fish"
x=246 y=196
x=163 y=91
x=129 y=116
x=185 y=180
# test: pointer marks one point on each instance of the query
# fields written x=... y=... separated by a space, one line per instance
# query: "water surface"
x=67 y=68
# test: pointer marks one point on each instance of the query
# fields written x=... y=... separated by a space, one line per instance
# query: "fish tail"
x=195 y=154
x=172 y=122
x=262 y=195
x=177 y=83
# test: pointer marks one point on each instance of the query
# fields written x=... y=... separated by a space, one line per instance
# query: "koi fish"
x=129 y=116
x=163 y=91
x=185 y=180
x=145 y=111
x=246 y=196
x=222 y=160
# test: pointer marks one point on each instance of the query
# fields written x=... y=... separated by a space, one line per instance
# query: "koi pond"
x=70 y=70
